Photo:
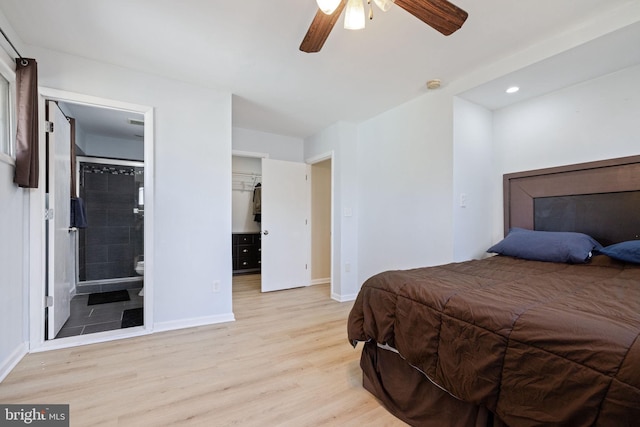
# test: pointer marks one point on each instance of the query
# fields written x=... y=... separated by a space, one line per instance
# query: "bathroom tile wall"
x=113 y=239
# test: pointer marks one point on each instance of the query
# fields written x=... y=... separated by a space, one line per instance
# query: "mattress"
x=532 y=342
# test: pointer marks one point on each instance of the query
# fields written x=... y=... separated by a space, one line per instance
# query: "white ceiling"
x=250 y=48
x=604 y=55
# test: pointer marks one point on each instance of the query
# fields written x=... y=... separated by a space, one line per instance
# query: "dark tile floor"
x=88 y=319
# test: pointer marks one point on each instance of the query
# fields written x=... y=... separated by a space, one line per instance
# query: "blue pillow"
x=553 y=246
x=628 y=251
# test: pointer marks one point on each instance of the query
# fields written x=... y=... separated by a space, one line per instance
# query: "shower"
x=112 y=245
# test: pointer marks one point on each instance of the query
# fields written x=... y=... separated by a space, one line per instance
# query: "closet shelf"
x=245 y=181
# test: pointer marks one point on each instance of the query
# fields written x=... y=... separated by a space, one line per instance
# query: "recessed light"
x=512 y=89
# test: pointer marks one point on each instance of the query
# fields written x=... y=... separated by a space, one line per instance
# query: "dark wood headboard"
x=601 y=199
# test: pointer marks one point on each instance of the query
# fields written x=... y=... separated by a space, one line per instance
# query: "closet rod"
x=252 y=174
x=12 y=46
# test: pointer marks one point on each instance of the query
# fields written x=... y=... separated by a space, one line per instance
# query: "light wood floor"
x=285 y=361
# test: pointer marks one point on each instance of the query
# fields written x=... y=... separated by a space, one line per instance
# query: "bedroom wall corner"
x=14 y=249
x=590 y=121
x=341 y=139
x=472 y=180
x=405 y=174
x=279 y=147
x=14 y=318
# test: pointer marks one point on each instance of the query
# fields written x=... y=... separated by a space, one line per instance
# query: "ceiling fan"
x=439 y=14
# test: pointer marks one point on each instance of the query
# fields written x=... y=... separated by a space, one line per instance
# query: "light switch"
x=463 y=200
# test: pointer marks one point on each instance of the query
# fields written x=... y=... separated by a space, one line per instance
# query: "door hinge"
x=48 y=127
x=305 y=267
x=48 y=214
x=48 y=301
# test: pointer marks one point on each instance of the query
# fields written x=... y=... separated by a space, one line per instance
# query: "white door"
x=285 y=230
x=60 y=259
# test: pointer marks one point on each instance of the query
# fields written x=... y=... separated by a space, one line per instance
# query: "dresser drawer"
x=245 y=239
x=248 y=262
x=246 y=252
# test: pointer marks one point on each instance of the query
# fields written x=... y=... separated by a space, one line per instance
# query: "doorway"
x=105 y=152
x=321 y=208
x=108 y=250
x=322 y=228
x=315 y=253
x=273 y=240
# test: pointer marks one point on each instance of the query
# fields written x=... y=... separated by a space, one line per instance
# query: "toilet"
x=140 y=271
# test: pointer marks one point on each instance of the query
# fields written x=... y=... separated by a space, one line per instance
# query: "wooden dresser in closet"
x=246 y=252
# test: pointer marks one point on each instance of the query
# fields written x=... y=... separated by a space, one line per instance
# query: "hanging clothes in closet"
x=257 y=202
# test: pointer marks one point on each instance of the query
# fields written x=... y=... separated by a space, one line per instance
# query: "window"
x=6 y=142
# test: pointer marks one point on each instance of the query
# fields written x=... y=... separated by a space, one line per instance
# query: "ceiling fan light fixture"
x=328 y=6
x=354 y=17
x=384 y=5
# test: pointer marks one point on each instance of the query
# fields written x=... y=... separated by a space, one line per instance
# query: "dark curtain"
x=26 y=174
x=78 y=209
x=74 y=191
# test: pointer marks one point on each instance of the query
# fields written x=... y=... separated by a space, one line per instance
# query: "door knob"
x=265 y=232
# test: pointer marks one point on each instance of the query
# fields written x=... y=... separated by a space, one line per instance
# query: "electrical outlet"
x=216 y=286
x=347 y=267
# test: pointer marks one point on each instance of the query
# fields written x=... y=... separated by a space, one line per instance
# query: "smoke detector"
x=433 y=84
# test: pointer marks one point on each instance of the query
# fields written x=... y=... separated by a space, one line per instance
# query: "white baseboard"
x=323 y=281
x=191 y=323
x=343 y=298
x=131 y=332
x=12 y=360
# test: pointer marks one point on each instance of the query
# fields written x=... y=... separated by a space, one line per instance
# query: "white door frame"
x=37 y=265
x=329 y=155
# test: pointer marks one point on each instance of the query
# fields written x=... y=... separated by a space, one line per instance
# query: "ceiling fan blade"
x=320 y=28
x=439 y=14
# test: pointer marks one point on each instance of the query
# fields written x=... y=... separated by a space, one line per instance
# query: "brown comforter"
x=537 y=343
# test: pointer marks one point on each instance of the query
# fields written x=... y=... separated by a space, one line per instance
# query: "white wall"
x=14 y=206
x=591 y=121
x=405 y=186
x=340 y=141
x=104 y=146
x=472 y=180
x=279 y=147
x=192 y=181
x=13 y=289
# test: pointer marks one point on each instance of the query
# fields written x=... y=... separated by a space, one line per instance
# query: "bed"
x=516 y=339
